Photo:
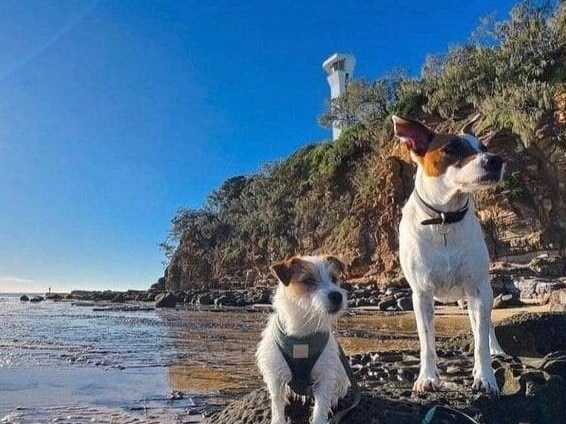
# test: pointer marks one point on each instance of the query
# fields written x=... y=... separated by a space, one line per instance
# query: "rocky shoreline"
x=532 y=379
x=541 y=281
x=533 y=389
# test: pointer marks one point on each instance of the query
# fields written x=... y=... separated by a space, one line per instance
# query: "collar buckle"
x=439 y=217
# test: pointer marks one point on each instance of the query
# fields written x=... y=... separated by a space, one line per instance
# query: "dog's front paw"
x=486 y=384
x=497 y=351
x=426 y=384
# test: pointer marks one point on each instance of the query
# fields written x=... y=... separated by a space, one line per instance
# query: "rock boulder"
x=166 y=300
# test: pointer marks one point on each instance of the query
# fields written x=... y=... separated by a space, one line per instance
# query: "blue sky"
x=113 y=114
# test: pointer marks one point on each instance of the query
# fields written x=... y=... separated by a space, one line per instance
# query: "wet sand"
x=77 y=395
x=386 y=331
x=226 y=359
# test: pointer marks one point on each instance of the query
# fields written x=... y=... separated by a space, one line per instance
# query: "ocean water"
x=60 y=362
x=55 y=333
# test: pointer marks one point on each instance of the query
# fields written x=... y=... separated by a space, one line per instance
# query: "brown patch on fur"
x=304 y=278
x=283 y=270
x=436 y=161
x=298 y=276
x=337 y=269
x=298 y=289
x=336 y=263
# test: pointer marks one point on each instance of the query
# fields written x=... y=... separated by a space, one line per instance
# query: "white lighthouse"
x=340 y=69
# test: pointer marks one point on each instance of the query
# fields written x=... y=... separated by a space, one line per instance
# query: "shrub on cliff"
x=510 y=72
x=345 y=196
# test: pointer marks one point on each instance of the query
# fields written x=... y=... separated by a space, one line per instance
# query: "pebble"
x=453 y=369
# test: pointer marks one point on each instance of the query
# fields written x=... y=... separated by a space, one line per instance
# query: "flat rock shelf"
x=533 y=388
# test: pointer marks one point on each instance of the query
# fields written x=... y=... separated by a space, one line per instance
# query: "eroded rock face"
x=524 y=215
x=532 y=335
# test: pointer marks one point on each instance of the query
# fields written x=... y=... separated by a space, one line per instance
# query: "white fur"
x=449 y=272
x=300 y=317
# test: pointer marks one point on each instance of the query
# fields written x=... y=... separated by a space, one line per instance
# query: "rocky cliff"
x=345 y=197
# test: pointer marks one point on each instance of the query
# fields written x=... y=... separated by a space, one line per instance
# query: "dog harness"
x=439 y=217
x=301 y=353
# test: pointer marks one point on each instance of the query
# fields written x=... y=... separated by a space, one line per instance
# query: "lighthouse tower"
x=340 y=69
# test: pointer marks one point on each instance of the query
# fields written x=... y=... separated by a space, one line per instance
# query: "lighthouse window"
x=338 y=65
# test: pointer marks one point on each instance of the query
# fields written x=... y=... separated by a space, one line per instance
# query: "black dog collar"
x=439 y=217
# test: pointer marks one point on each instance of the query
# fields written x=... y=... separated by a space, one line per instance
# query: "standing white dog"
x=441 y=246
x=298 y=352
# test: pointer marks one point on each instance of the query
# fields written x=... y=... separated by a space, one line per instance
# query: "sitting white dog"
x=298 y=353
x=441 y=245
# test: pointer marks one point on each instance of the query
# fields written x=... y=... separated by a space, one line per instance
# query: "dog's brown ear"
x=337 y=263
x=283 y=271
x=416 y=135
x=469 y=127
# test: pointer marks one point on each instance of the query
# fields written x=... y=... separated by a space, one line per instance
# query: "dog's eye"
x=452 y=148
x=309 y=281
x=334 y=279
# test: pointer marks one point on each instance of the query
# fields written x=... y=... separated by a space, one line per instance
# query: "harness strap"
x=337 y=418
x=439 y=217
x=301 y=353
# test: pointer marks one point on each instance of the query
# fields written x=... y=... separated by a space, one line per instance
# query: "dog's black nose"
x=335 y=298
x=492 y=162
